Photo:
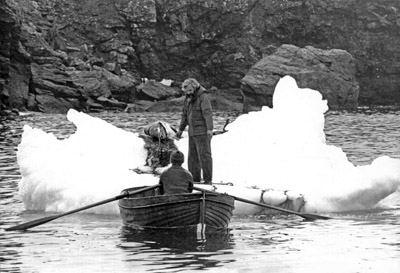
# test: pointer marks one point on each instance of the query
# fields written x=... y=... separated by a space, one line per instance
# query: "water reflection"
x=182 y=240
x=174 y=250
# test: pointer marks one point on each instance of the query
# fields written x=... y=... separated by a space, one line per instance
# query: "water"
x=361 y=241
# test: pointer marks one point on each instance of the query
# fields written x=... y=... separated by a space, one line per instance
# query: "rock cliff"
x=57 y=54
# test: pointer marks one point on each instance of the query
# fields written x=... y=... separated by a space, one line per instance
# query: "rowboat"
x=149 y=210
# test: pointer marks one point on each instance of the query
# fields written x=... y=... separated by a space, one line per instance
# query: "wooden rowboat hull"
x=151 y=211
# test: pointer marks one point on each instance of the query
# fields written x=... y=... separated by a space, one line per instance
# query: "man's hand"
x=178 y=134
x=210 y=133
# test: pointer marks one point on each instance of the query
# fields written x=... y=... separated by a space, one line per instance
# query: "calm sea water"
x=362 y=241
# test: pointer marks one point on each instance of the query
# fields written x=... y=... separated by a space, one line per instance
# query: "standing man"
x=197 y=114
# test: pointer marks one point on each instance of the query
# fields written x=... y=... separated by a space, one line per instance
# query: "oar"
x=307 y=216
x=47 y=219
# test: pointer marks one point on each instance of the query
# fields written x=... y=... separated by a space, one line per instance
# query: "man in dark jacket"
x=176 y=179
x=197 y=114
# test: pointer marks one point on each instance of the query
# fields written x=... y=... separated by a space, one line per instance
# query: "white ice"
x=280 y=148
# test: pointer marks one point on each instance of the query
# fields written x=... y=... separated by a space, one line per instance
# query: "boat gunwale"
x=170 y=203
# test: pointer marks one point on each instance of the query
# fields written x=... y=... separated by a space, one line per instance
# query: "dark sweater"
x=176 y=180
x=197 y=113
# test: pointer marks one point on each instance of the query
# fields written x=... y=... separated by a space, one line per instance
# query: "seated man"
x=176 y=179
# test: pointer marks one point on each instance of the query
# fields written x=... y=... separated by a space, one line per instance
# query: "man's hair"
x=191 y=81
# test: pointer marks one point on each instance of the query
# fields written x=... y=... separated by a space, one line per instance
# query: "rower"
x=176 y=179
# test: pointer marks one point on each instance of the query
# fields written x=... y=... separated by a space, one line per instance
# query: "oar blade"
x=313 y=217
x=33 y=223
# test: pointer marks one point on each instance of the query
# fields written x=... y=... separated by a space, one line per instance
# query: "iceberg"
x=272 y=155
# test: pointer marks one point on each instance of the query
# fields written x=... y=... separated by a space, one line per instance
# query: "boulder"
x=155 y=91
x=172 y=105
x=52 y=90
x=331 y=72
x=138 y=106
x=220 y=103
x=111 y=104
x=122 y=87
x=92 y=83
x=50 y=104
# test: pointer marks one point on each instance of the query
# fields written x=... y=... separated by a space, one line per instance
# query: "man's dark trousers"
x=200 y=158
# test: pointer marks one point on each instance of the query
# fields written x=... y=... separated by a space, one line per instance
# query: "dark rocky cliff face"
x=60 y=54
